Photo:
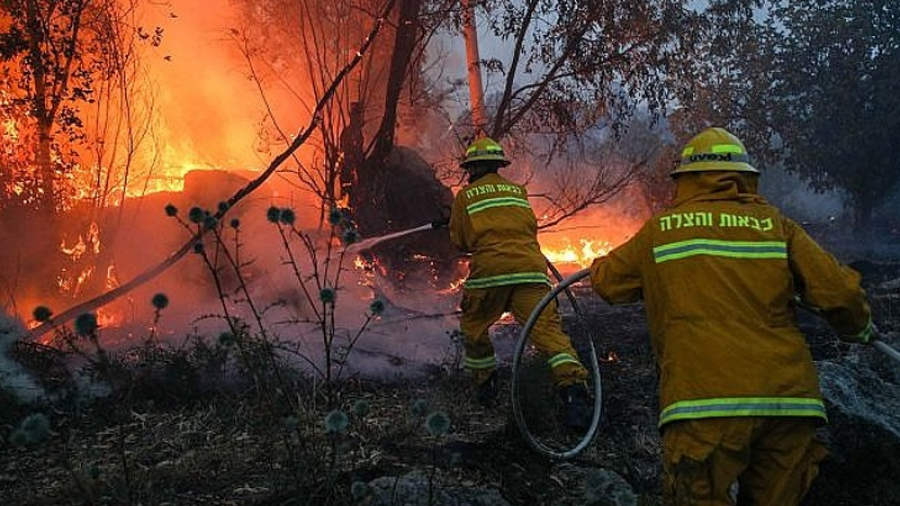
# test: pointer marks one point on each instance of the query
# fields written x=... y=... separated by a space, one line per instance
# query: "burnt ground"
x=185 y=436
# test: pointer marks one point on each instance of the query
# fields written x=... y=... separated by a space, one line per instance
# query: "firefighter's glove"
x=440 y=222
x=867 y=336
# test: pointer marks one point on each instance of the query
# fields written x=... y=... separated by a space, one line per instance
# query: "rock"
x=589 y=486
x=416 y=489
x=863 y=398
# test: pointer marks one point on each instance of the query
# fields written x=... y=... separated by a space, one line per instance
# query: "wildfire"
x=568 y=254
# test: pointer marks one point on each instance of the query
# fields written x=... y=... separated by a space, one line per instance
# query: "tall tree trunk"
x=368 y=198
x=473 y=59
x=42 y=113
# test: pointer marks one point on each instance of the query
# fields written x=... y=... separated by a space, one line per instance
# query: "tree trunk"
x=368 y=197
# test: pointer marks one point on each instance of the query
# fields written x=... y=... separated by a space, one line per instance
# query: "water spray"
x=372 y=241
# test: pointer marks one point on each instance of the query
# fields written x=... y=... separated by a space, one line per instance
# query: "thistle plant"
x=437 y=424
x=33 y=429
x=159 y=301
x=320 y=286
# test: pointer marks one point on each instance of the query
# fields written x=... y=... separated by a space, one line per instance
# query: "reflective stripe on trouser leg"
x=480 y=309
x=547 y=334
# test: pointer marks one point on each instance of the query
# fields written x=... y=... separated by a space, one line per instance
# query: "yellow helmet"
x=714 y=149
x=483 y=149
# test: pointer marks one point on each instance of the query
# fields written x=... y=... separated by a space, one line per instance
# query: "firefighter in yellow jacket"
x=492 y=220
x=718 y=274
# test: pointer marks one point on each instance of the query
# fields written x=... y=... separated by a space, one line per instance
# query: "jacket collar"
x=717 y=185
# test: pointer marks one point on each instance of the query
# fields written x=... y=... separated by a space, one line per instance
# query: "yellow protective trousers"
x=482 y=307
x=772 y=460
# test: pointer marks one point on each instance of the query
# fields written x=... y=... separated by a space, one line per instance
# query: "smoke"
x=209 y=114
x=13 y=377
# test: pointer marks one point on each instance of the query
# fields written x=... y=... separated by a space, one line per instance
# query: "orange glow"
x=564 y=252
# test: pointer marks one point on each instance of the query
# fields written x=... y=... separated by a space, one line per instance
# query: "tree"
x=837 y=93
x=809 y=86
x=46 y=73
x=577 y=76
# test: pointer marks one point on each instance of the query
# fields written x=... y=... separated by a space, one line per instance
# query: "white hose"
x=594 y=366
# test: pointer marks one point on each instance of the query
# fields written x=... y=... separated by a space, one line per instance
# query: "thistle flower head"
x=42 y=313
x=36 y=424
x=419 y=407
x=288 y=216
x=327 y=295
x=336 y=422
x=235 y=223
x=160 y=301
x=273 y=214
x=226 y=339
x=196 y=215
x=359 y=489
x=33 y=429
x=335 y=216
x=376 y=307
x=86 y=324
x=19 y=438
x=171 y=210
x=360 y=408
x=223 y=206
x=437 y=423
x=350 y=236
x=210 y=221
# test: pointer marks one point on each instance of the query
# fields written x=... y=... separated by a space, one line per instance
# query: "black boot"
x=487 y=391
x=577 y=407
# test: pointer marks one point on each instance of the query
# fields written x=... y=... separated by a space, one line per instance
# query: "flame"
x=566 y=253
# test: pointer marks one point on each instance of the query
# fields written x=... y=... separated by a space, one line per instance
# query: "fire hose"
x=532 y=440
x=877 y=339
x=521 y=344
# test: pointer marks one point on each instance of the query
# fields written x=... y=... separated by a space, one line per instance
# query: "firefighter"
x=720 y=274
x=492 y=220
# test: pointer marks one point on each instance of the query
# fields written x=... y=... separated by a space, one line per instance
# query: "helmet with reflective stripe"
x=714 y=149
x=484 y=149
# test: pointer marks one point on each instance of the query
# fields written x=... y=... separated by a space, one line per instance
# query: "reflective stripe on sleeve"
x=743 y=406
x=508 y=279
x=731 y=249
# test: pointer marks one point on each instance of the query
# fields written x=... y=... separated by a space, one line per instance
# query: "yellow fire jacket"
x=492 y=219
x=718 y=274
